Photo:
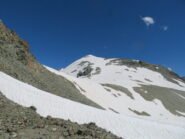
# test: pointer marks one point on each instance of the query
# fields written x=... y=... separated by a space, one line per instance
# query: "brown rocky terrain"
x=17 y=122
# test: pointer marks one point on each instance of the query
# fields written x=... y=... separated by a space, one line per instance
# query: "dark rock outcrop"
x=86 y=71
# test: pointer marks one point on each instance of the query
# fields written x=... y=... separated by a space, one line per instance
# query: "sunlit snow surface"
x=126 y=77
x=121 y=125
x=122 y=75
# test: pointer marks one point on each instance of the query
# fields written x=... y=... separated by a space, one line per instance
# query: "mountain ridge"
x=135 y=63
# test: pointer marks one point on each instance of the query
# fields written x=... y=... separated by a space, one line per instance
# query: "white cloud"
x=148 y=20
x=165 y=28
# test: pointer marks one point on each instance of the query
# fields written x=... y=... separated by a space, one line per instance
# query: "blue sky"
x=61 y=31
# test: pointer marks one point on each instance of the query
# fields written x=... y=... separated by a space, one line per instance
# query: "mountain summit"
x=86 y=63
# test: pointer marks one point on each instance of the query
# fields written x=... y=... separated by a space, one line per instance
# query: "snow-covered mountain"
x=130 y=87
x=130 y=98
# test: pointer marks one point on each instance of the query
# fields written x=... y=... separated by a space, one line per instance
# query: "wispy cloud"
x=165 y=28
x=148 y=20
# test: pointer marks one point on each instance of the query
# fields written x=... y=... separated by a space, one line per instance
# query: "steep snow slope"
x=130 y=87
x=49 y=104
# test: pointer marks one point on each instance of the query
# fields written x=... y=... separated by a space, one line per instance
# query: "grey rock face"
x=143 y=113
x=172 y=99
x=120 y=88
x=168 y=74
x=86 y=70
x=183 y=78
x=24 y=123
x=17 y=61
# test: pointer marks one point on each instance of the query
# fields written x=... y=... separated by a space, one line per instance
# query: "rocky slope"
x=17 y=122
x=183 y=78
x=16 y=60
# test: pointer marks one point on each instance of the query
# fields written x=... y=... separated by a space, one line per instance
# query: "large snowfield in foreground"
x=47 y=104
